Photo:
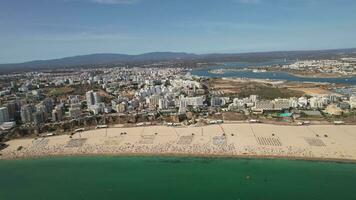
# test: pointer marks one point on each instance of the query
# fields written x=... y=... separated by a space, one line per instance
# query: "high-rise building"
x=353 y=102
x=11 y=108
x=121 y=108
x=4 y=115
x=193 y=101
x=48 y=103
x=45 y=107
x=153 y=101
x=98 y=108
x=57 y=114
x=38 y=117
x=262 y=106
x=90 y=98
x=217 y=101
x=97 y=98
x=302 y=101
x=316 y=103
x=41 y=108
x=74 y=99
x=253 y=98
x=182 y=106
x=163 y=104
x=26 y=113
x=75 y=111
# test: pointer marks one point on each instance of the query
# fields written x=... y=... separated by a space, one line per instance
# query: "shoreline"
x=223 y=71
x=300 y=74
x=177 y=155
x=316 y=142
x=320 y=75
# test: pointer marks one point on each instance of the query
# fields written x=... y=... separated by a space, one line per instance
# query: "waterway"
x=204 y=72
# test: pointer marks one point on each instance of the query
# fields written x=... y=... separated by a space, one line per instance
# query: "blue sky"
x=45 y=29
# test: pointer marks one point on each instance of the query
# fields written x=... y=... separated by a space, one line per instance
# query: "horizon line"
x=246 y=52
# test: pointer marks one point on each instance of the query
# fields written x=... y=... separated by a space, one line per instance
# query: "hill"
x=97 y=59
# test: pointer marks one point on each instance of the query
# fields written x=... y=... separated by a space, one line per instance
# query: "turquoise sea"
x=173 y=178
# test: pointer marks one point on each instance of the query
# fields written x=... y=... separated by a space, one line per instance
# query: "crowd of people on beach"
x=42 y=148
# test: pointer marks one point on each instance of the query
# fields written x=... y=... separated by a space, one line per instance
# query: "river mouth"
x=244 y=70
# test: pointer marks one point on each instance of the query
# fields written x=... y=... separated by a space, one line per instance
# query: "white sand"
x=248 y=140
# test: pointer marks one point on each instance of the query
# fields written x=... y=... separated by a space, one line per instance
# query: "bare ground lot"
x=247 y=88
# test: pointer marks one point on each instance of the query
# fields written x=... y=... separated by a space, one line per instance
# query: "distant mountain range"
x=97 y=59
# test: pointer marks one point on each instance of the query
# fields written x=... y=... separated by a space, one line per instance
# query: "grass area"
x=61 y=91
x=245 y=89
x=268 y=92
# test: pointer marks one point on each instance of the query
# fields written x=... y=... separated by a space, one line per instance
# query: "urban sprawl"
x=66 y=101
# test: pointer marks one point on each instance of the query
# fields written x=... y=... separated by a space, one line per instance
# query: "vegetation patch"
x=61 y=91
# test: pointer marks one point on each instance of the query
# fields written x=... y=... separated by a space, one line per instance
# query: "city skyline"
x=43 y=29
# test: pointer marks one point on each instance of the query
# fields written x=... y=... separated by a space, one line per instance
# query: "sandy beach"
x=316 y=142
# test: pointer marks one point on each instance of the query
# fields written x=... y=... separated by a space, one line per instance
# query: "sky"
x=47 y=29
